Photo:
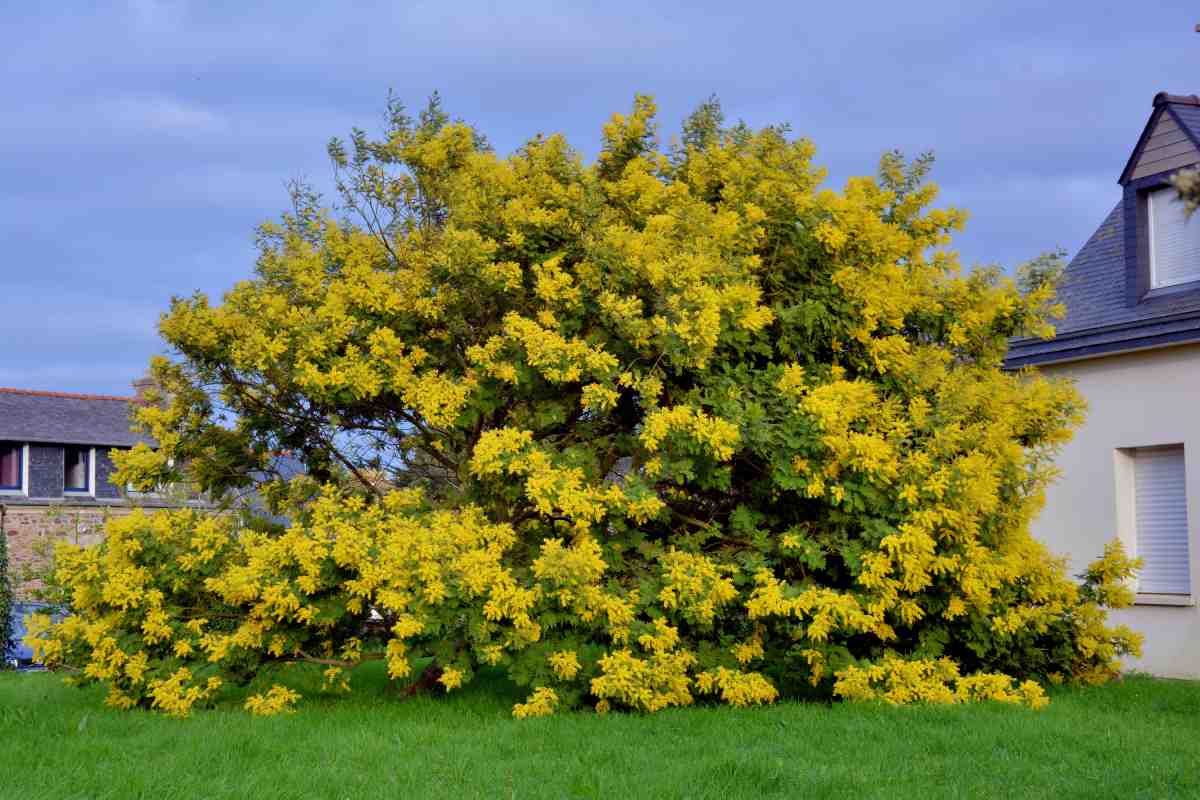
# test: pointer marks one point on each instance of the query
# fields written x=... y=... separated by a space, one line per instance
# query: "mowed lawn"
x=1136 y=739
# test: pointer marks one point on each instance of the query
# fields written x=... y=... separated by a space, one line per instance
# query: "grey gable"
x=59 y=418
x=1171 y=138
x=1109 y=309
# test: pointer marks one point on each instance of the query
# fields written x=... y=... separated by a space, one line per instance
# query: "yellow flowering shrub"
x=276 y=700
x=678 y=424
x=899 y=681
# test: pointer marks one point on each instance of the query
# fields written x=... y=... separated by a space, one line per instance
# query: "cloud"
x=109 y=122
x=75 y=342
x=1015 y=217
x=158 y=113
x=155 y=15
x=69 y=375
x=145 y=141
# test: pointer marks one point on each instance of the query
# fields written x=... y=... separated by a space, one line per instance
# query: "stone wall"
x=32 y=531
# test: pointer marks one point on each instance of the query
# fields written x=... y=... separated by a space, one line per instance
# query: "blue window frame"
x=12 y=466
x=77 y=469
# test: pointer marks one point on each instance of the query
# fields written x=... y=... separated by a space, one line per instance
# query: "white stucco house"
x=1131 y=342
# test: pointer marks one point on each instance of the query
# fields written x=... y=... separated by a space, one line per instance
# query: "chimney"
x=142 y=385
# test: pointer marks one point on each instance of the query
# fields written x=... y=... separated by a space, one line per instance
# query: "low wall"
x=31 y=531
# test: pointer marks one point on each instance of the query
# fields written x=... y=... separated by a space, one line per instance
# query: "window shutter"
x=1160 y=503
x=1174 y=240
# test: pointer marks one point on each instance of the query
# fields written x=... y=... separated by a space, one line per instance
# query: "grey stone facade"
x=45 y=471
x=46 y=475
x=104 y=470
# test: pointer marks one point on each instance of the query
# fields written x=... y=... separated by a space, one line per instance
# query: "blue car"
x=22 y=656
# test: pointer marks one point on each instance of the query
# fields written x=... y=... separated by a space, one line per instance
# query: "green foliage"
x=665 y=427
x=7 y=602
x=1187 y=184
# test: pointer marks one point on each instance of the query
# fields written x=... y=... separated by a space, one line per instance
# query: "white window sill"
x=1164 y=600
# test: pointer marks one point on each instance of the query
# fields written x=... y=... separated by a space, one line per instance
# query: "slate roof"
x=1101 y=319
x=1188 y=114
x=62 y=418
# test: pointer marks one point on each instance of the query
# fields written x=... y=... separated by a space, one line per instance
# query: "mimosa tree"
x=673 y=424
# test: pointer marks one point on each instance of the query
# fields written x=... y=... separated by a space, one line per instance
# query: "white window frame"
x=1127 y=523
x=23 y=491
x=1150 y=205
x=90 y=491
x=1150 y=239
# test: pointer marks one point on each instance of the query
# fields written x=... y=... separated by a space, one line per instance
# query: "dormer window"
x=1174 y=240
x=77 y=462
x=12 y=467
x=1161 y=244
x=1136 y=283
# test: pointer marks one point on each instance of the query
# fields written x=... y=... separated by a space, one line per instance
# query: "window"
x=1160 y=513
x=1174 y=240
x=76 y=469
x=158 y=490
x=12 y=467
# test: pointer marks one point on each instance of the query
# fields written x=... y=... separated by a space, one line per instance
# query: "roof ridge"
x=66 y=395
x=1162 y=98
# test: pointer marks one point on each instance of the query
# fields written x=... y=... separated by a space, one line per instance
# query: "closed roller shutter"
x=1160 y=497
x=1174 y=240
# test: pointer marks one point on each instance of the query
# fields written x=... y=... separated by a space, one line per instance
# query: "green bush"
x=7 y=603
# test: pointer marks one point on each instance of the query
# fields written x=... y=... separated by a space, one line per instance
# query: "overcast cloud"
x=140 y=143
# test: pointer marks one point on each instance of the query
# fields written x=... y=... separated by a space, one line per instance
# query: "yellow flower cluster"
x=175 y=696
x=900 y=681
x=647 y=684
x=557 y=358
x=541 y=703
x=276 y=700
x=554 y=489
x=737 y=688
x=712 y=434
x=451 y=678
x=565 y=664
x=695 y=585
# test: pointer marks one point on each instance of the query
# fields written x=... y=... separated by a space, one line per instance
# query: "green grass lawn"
x=1139 y=738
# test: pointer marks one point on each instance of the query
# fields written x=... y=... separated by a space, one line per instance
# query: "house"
x=56 y=470
x=1131 y=342
x=56 y=476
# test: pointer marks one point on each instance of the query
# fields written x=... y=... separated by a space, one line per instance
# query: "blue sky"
x=140 y=143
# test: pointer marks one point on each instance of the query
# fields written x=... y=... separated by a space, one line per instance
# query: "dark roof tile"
x=63 y=418
x=1100 y=318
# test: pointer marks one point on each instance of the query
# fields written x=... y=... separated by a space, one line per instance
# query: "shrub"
x=668 y=426
x=7 y=602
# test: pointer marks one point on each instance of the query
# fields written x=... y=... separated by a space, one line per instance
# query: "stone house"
x=1131 y=343
x=56 y=468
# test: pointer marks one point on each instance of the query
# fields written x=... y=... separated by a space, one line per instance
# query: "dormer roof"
x=1110 y=308
x=1170 y=139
